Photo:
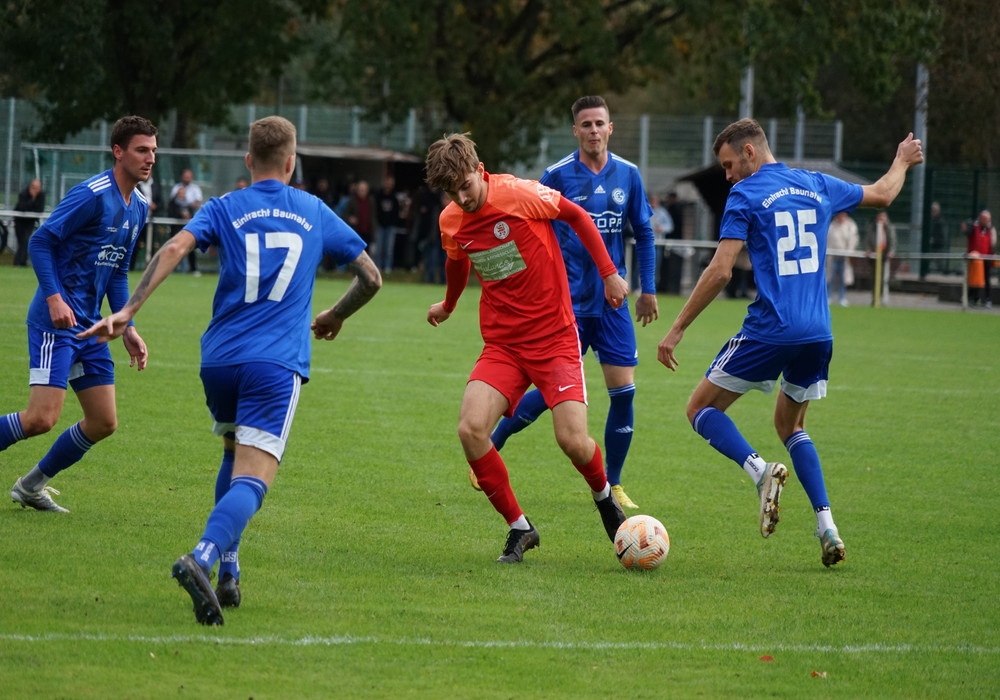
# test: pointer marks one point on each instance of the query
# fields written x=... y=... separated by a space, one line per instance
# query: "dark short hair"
x=127 y=127
x=738 y=133
x=589 y=102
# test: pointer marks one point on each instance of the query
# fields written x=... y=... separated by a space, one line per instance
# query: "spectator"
x=324 y=193
x=186 y=199
x=31 y=199
x=842 y=235
x=880 y=244
x=982 y=240
x=427 y=233
x=360 y=213
x=939 y=240
x=241 y=184
x=663 y=227
x=387 y=206
x=672 y=266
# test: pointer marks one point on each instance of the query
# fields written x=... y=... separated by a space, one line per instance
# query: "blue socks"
x=228 y=519
x=722 y=434
x=528 y=409
x=66 y=451
x=10 y=430
x=807 y=468
x=230 y=562
x=618 y=430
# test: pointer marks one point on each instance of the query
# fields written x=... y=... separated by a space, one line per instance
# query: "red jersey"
x=982 y=240
x=516 y=256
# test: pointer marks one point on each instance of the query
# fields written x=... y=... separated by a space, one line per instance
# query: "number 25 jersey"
x=783 y=215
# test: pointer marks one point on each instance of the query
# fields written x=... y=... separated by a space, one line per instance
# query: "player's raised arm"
x=883 y=191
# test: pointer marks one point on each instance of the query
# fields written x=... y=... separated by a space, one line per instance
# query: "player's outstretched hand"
x=327 y=325
x=108 y=328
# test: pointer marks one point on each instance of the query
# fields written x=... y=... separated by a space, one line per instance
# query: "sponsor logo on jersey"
x=498 y=263
x=111 y=255
x=501 y=230
x=599 y=190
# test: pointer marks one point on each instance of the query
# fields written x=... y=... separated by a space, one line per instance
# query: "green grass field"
x=370 y=572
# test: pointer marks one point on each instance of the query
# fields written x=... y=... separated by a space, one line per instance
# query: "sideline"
x=350 y=640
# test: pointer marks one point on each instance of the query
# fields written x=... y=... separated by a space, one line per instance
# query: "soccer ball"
x=642 y=541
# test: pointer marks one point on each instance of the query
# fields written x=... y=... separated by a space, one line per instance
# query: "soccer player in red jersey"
x=501 y=227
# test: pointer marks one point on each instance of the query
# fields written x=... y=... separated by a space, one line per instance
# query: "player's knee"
x=97 y=430
x=692 y=411
x=470 y=434
x=37 y=423
x=578 y=447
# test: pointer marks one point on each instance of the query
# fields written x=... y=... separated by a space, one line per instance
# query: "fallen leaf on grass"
x=819 y=674
x=767 y=658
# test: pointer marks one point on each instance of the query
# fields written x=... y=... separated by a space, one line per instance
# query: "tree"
x=502 y=70
x=505 y=69
x=964 y=101
x=86 y=60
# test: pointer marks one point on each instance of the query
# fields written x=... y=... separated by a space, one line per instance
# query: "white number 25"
x=798 y=237
x=292 y=243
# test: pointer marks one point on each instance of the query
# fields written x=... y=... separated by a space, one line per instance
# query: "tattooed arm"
x=367 y=281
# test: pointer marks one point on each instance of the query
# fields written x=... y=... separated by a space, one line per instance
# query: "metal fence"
x=665 y=148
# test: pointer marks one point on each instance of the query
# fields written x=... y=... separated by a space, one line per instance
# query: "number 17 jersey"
x=270 y=240
x=783 y=214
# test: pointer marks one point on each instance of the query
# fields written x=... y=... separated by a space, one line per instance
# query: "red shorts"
x=552 y=364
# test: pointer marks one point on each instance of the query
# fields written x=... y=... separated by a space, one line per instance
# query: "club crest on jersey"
x=501 y=230
x=618 y=195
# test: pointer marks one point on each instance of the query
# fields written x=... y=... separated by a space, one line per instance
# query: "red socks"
x=495 y=482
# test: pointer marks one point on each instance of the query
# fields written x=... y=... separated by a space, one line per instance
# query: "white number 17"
x=292 y=242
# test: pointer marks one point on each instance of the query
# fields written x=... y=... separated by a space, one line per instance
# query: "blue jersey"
x=783 y=215
x=270 y=239
x=82 y=252
x=611 y=197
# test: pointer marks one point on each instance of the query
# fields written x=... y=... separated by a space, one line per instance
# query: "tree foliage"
x=503 y=69
x=86 y=60
x=964 y=101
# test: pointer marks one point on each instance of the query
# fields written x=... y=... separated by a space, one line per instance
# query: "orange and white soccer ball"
x=642 y=542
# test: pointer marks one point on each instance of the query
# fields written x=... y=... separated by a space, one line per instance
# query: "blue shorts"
x=744 y=364
x=61 y=360
x=253 y=403
x=611 y=336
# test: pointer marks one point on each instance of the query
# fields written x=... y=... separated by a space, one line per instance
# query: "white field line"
x=350 y=640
